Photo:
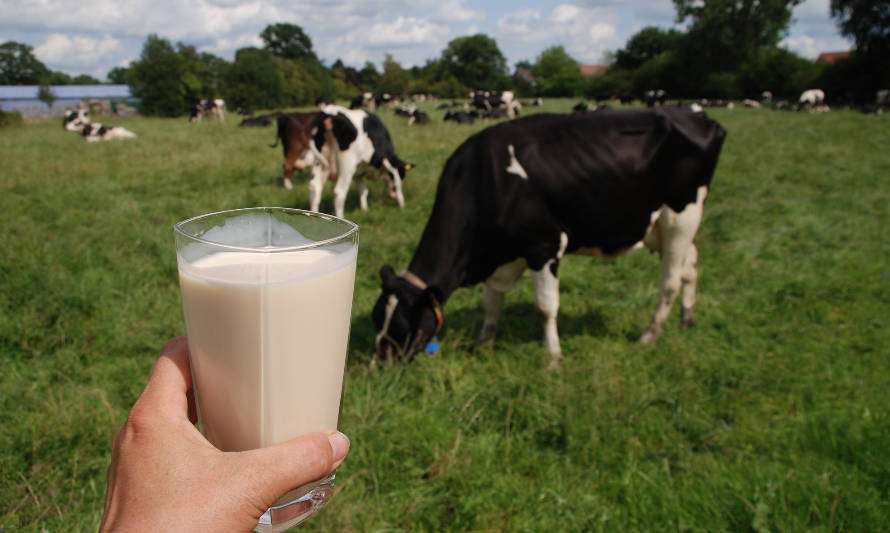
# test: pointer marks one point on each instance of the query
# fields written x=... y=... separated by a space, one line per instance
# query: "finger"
x=170 y=379
x=296 y=462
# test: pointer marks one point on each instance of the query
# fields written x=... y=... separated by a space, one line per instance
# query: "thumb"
x=294 y=463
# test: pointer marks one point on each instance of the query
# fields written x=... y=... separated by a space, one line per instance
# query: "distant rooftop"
x=592 y=70
x=29 y=92
x=831 y=57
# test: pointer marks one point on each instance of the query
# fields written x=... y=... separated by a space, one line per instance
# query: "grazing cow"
x=75 y=120
x=523 y=193
x=812 y=100
x=98 y=132
x=486 y=101
x=358 y=137
x=295 y=133
x=216 y=108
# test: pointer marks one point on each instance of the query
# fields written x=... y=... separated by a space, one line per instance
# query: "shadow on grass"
x=519 y=323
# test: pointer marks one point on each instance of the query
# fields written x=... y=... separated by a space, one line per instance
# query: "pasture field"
x=771 y=414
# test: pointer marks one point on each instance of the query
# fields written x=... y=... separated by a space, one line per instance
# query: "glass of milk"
x=267 y=297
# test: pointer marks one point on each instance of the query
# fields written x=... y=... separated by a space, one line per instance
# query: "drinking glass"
x=267 y=299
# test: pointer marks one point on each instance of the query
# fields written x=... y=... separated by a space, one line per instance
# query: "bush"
x=10 y=118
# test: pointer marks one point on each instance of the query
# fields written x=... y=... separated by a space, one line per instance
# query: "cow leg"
x=316 y=184
x=396 y=181
x=496 y=287
x=546 y=285
x=677 y=259
x=689 y=276
x=346 y=166
x=288 y=172
x=362 y=194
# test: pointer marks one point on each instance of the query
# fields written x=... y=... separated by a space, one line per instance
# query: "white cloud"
x=565 y=13
x=77 y=51
x=405 y=30
x=804 y=46
x=586 y=33
x=454 y=11
x=94 y=35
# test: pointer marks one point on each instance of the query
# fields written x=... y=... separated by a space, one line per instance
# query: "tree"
x=45 y=95
x=557 y=74
x=395 y=79
x=58 y=78
x=19 y=65
x=84 y=79
x=368 y=77
x=475 y=61
x=156 y=78
x=118 y=75
x=253 y=81
x=724 y=34
x=287 y=41
x=866 y=21
x=646 y=44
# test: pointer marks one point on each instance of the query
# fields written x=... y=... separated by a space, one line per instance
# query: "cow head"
x=406 y=316
x=75 y=120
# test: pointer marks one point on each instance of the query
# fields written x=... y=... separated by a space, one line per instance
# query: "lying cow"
x=75 y=120
x=524 y=193
x=98 y=132
x=358 y=137
x=216 y=108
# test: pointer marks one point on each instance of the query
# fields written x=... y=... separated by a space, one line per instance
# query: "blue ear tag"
x=432 y=347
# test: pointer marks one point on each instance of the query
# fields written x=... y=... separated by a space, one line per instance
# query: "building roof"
x=592 y=70
x=29 y=92
x=831 y=57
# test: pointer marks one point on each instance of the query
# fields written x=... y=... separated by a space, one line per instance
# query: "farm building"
x=104 y=99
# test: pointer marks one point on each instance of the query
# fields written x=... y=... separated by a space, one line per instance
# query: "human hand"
x=165 y=476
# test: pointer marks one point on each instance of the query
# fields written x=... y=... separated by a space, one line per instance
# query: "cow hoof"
x=555 y=361
x=688 y=317
x=649 y=337
x=288 y=185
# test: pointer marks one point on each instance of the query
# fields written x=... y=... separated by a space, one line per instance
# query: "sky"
x=94 y=36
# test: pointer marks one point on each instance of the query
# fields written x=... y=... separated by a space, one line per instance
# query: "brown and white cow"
x=295 y=133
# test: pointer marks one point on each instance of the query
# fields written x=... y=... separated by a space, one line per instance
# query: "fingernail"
x=339 y=444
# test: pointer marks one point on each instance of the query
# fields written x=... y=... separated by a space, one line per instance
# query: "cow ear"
x=409 y=166
x=387 y=274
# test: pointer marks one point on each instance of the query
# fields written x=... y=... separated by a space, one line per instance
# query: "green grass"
x=770 y=415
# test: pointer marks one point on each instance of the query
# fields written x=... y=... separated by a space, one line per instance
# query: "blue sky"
x=93 y=36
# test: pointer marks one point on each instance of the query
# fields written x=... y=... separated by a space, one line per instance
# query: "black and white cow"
x=75 y=120
x=487 y=101
x=360 y=138
x=461 y=117
x=812 y=100
x=98 y=132
x=216 y=108
x=522 y=194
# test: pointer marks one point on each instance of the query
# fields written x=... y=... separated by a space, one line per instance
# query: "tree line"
x=730 y=49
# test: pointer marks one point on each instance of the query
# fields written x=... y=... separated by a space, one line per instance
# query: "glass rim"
x=352 y=228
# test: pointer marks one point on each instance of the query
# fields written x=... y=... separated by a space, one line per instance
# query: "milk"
x=268 y=334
